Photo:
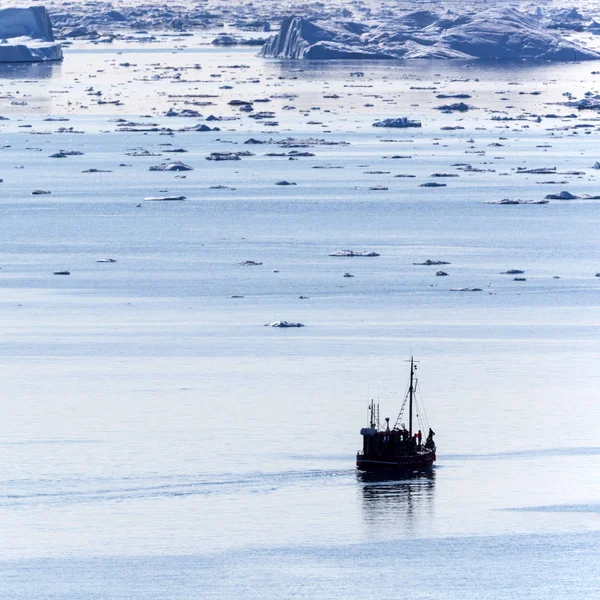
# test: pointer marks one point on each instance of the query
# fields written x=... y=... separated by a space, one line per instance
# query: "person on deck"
x=429 y=442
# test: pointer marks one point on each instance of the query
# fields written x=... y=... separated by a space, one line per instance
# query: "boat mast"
x=410 y=402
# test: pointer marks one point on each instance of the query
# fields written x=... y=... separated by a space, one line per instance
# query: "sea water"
x=158 y=441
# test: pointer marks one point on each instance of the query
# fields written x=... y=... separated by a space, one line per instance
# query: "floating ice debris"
x=466 y=289
x=519 y=279
x=82 y=32
x=291 y=154
x=512 y=272
x=456 y=107
x=308 y=142
x=538 y=171
x=62 y=273
x=590 y=103
x=142 y=153
x=236 y=296
x=201 y=127
x=106 y=260
x=27 y=36
x=441 y=273
x=354 y=253
x=562 y=196
x=186 y=112
x=164 y=198
x=400 y=123
x=259 y=116
x=509 y=201
x=65 y=153
x=40 y=192
x=432 y=184
x=69 y=130
x=285 y=183
x=217 y=156
x=224 y=39
x=348 y=275
x=249 y=263
x=173 y=166
x=457 y=96
x=284 y=324
x=429 y=263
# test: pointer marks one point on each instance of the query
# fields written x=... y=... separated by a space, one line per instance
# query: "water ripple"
x=63 y=492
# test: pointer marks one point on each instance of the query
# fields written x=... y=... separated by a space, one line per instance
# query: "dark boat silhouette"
x=396 y=450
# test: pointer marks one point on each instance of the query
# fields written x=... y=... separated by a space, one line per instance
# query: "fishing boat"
x=397 y=449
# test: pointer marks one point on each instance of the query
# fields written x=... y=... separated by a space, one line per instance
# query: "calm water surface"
x=159 y=442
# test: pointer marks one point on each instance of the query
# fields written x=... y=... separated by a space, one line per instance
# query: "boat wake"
x=80 y=491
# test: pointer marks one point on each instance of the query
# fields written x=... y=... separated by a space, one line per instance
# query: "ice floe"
x=284 y=324
x=354 y=253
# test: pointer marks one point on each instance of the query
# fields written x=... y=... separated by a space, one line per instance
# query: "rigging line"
x=423 y=424
x=420 y=408
x=423 y=409
x=401 y=410
x=399 y=414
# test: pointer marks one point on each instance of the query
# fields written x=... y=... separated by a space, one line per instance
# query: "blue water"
x=159 y=442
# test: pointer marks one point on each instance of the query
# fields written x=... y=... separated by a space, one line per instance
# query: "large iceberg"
x=26 y=36
x=496 y=33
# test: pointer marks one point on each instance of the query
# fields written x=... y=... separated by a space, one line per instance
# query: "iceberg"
x=26 y=36
x=493 y=34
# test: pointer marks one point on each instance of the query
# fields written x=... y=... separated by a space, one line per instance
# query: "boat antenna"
x=411 y=390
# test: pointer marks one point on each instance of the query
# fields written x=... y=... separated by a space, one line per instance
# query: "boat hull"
x=409 y=462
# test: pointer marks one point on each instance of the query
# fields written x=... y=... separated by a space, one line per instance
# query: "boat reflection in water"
x=402 y=505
